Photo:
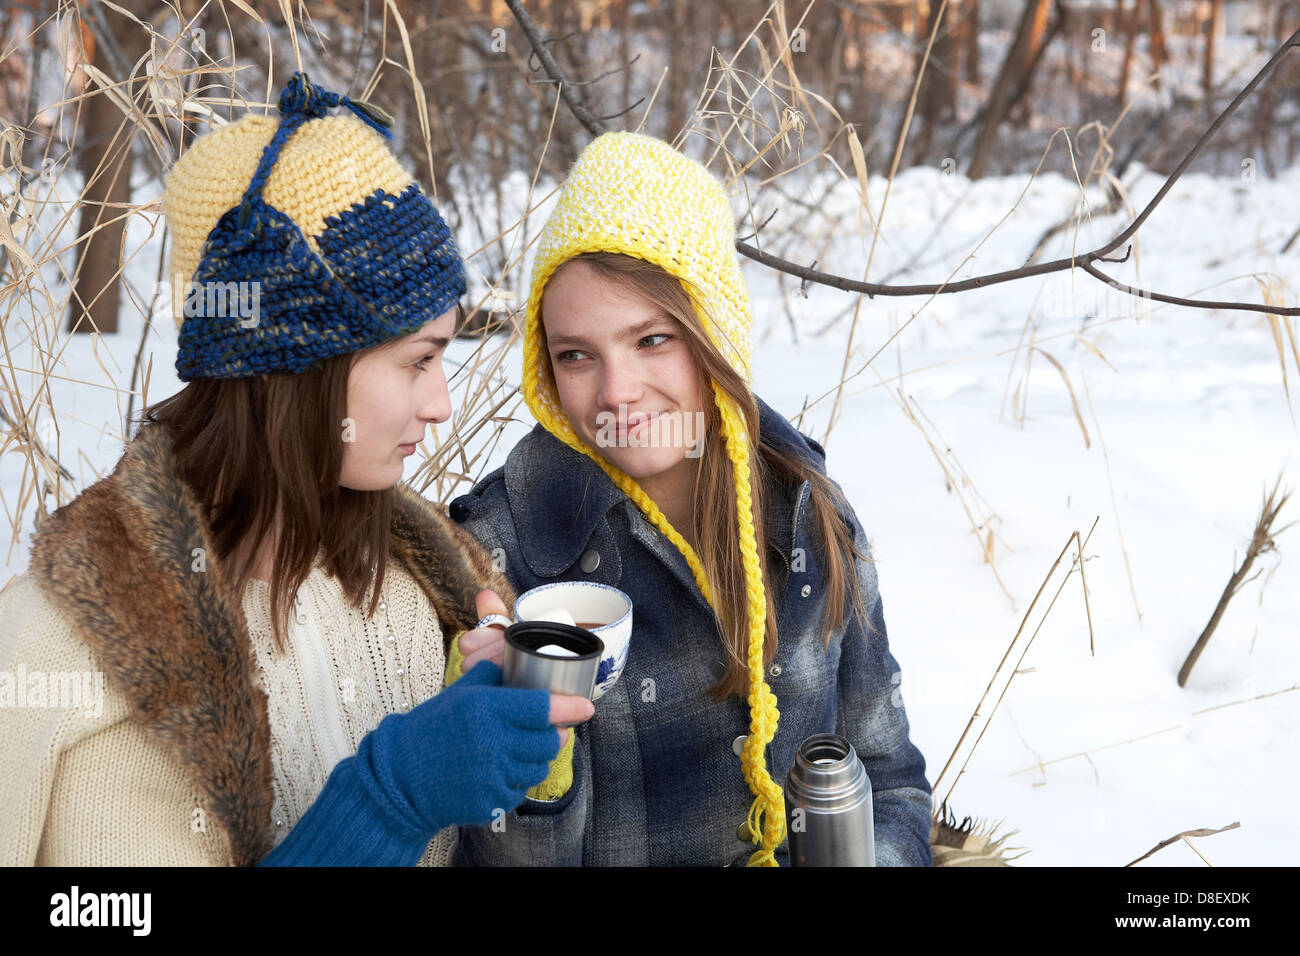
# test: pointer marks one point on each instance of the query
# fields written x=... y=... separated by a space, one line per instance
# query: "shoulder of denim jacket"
x=488 y=486
x=814 y=445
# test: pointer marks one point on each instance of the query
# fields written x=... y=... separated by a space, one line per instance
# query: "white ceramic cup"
x=586 y=602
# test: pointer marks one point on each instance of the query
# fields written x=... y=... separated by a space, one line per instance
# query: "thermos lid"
x=827 y=774
x=529 y=636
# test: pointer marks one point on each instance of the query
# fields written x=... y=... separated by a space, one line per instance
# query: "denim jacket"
x=657 y=777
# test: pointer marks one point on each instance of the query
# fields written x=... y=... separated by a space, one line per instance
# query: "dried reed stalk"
x=1073 y=539
x=1202 y=832
x=1261 y=542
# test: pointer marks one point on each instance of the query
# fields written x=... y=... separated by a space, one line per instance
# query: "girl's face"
x=394 y=392
x=625 y=376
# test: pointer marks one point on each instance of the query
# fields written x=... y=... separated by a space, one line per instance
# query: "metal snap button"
x=742 y=833
x=589 y=561
x=775 y=670
x=805 y=590
x=738 y=745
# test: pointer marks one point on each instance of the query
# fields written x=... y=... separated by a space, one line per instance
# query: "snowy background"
x=1094 y=758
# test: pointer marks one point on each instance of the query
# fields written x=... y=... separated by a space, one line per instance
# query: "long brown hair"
x=249 y=447
x=714 y=515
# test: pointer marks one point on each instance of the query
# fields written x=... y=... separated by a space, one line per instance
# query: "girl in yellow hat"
x=654 y=468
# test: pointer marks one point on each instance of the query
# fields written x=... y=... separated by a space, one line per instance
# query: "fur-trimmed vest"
x=117 y=564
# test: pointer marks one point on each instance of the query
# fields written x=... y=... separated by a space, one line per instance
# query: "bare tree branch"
x=567 y=91
x=594 y=126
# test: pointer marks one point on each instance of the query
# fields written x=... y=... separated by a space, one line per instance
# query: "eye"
x=424 y=361
x=570 y=356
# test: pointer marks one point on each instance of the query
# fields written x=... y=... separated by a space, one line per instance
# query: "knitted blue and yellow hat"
x=300 y=239
x=637 y=195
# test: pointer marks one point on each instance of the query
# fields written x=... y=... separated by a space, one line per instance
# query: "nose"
x=435 y=406
x=619 y=383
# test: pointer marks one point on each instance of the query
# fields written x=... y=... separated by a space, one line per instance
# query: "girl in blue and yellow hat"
x=260 y=610
x=655 y=469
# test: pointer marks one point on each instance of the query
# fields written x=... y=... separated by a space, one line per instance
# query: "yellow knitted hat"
x=636 y=195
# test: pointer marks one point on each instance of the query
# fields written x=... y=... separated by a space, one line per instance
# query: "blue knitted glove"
x=459 y=757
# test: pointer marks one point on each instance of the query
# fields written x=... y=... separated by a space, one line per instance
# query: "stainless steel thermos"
x=828 y=805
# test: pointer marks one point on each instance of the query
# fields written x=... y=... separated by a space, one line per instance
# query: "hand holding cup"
x=487 y=643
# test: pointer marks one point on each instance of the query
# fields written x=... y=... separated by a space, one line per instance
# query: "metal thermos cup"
x=524 y=666
x=828 y=805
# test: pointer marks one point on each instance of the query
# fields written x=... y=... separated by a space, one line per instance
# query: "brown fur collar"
x=117 y=562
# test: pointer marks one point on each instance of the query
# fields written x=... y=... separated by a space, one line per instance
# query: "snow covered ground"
x=1094 y=757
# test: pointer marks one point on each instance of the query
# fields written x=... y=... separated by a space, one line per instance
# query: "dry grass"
x=980 y=515
x=1114 y=502
x=1262 y=541
x=1042 y=765
x=1077 y=565
x=1270 y=288
x=1202 y=832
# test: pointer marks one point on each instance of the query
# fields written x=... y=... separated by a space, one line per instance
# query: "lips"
x=636 y=421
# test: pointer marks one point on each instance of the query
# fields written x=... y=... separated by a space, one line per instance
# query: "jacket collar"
x=558 y=496
x=130 y=564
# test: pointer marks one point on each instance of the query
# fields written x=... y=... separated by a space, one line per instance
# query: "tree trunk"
x=1018 y=107
x=1012 y=66
x=1127 y=21
x=945 y=48
x=623 y=23
x=679 y=64
x=1156 y=25
x=934 y=102
x=1211 y=34
x=972 y=20
x=105 y=158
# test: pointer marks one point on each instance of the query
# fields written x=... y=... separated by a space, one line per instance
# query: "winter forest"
x=1029 y=271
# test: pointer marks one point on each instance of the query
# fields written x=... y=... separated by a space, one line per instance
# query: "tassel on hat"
x=637 y=195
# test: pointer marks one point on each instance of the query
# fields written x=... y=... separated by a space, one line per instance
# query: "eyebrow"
x=630 y=332
x=437 y=341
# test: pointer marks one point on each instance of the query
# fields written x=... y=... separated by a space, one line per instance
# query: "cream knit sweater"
x=81 y=785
